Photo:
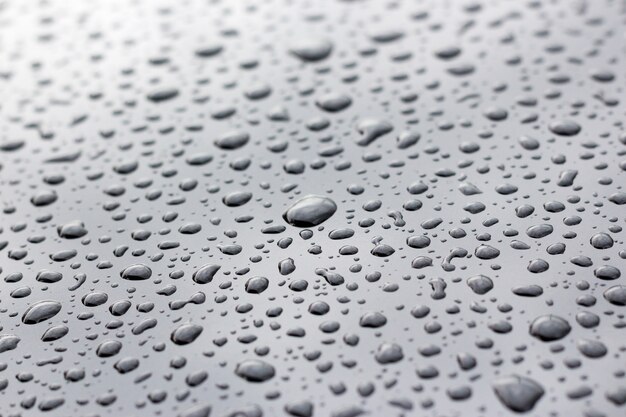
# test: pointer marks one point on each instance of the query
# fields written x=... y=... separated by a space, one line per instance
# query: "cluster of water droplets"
x=312 y=208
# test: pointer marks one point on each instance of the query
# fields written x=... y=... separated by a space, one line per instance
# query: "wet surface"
x=323 y=208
